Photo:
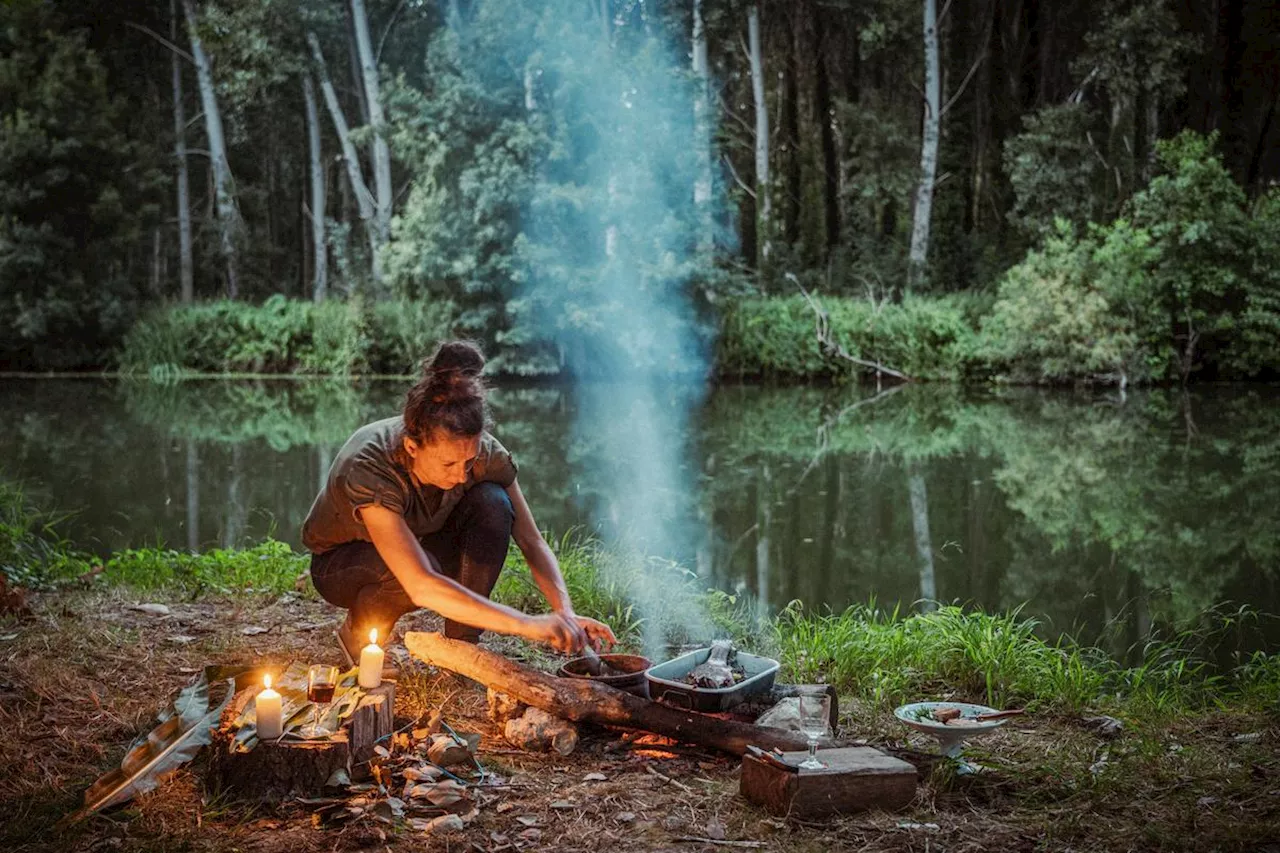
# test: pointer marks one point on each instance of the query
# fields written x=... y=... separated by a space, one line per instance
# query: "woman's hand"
x=562 y=634
x=599 y=635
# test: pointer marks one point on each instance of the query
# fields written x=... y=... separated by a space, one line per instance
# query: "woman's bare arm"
x=403 y=554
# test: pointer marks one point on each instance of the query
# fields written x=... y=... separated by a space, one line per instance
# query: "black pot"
x=630 y=680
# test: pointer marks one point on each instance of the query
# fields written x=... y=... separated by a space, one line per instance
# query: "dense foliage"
x=558 y=170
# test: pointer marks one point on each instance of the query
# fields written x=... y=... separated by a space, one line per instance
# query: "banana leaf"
x=296 y=708
x=182 y=729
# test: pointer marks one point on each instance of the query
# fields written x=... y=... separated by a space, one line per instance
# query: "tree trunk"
x=702 y=135
x=193 y=496
x=185 y=267
x=764 y=210
x=364 y=199
x=230 y=225
x=764 y=521
x=791 y=130
x=381 y=153
x=583 y=700
x=924 y=543
x=928 y=146
x=822 y=116
x=320 y=267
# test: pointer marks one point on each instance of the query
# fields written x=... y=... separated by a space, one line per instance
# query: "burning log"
x=582 y=700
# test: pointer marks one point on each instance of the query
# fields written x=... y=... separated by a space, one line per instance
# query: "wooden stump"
x=855 y=779
x=274 y=771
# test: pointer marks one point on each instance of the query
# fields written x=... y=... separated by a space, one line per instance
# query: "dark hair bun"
x=462 y=357
x=450 y=396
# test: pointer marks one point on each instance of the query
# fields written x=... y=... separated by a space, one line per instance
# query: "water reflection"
x=1096 y=514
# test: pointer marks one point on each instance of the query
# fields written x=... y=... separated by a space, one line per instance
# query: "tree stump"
x=273 y=771
x=855 y=779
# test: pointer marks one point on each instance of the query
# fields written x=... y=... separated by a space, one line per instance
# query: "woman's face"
x=443 y=461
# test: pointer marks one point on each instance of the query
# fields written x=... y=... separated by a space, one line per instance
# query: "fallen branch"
x=582 y=700
x=698 y=839
x=822 y=327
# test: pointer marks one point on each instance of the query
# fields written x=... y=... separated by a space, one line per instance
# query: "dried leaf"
x=152 y=609
x=444 y=823
x=444 y=793
x=531 y=835
x=527 y=820
x=626 y=817
x=253 y=630
x=422 y=773
x=594 y=777
x=563 y=804
x=181 y=639
x=715 y=829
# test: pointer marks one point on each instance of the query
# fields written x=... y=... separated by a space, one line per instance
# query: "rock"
x=1104 y=725
x=151 y=609
x=785 y=715
x=503 y=707
x=538 y=731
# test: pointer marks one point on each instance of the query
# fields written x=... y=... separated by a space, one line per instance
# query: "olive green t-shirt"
x=373 y=468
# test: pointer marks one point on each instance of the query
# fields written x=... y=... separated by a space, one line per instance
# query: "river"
x=1104 y=518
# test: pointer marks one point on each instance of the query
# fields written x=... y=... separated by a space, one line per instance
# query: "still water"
x=1103 y=518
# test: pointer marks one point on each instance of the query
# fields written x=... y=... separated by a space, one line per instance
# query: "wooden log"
x=582 y=700
x=855 y=779
x=273 y=771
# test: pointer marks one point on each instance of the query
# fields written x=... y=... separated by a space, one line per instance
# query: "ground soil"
x=86 y=674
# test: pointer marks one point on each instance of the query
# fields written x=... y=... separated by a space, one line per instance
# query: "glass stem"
x=813 y=749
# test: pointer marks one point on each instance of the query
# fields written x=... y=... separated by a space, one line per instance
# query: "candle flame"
x=373 y=636
x=266 y=681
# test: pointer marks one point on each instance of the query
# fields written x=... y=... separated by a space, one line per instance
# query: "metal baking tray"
x=665 y=684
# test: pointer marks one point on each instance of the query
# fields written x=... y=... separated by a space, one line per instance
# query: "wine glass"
x=815 y=711
x=322 y=681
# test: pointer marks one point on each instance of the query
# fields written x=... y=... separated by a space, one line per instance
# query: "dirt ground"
x=87 y=674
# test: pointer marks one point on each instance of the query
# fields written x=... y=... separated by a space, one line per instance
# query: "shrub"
x=776 y=337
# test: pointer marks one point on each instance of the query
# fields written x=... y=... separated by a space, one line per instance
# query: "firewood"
x=582 y=700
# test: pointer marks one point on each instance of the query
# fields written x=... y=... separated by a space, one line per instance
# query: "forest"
x=1043 y=192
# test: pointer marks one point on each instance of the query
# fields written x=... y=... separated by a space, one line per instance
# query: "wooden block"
x=855 y=779
x=273 y=771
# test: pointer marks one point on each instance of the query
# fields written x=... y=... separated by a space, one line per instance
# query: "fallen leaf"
x=382 y=751
x=715 y=829
x=152 y=609
x=527 y=819
x=594 y=777
x=626 y=817
x=926 y=827
x=7 y=637
x=444 y=823
x=562 y=804
x=1251 y=737
x=181 y=639
x=531 y=834
x=253 y=630
x=504 y=807
x=422 y=773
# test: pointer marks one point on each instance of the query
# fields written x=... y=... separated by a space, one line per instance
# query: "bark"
x=764 y=210
x=320 y=267
x=791 y=131
x=702 y=134
x=230 y=225
x=364 y=199
x=928 y=146
x=924 y=543
x=381 y=153
x=185 y=268
x=584 y=701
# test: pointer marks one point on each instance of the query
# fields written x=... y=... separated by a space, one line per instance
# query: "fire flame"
x=266 y=681
x=373 y=636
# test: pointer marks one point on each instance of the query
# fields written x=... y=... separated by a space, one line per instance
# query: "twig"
x=164 y=41
x=746 y=189
x=700 y=840
x=682 y=786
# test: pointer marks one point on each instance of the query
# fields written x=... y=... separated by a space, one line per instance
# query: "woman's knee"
x=487 y=505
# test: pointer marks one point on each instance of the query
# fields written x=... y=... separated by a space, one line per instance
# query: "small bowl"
x=950 y=738
x=631 y=668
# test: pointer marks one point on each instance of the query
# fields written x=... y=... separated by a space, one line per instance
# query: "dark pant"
x=470 y=548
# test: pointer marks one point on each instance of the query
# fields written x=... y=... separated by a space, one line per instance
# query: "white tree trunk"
x=320 y=276
x=229 y=222
x=185 y=267
x=381 y=153
x=764 y=211
x=928 y=145
x=364 y=199
x=701 y=134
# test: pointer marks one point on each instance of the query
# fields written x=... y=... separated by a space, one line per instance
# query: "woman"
x=417 y=511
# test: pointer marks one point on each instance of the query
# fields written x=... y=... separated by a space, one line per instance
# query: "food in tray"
x=720 y=670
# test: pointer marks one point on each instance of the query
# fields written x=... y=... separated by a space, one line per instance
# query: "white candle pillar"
x=371 y=657
x=269 y=708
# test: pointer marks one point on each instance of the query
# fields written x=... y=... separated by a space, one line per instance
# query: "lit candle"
x=371 y=662
x=269 y=709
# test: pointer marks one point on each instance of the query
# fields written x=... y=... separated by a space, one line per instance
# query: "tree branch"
x=164 y=41
x=746 y=189
x=822 y=323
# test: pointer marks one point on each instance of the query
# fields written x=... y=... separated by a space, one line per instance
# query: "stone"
x=538 y=731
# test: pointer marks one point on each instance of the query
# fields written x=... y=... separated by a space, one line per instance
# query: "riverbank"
x=1190 y=763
